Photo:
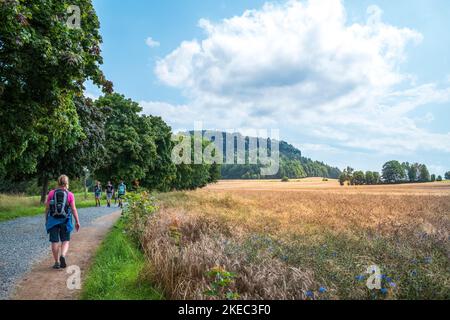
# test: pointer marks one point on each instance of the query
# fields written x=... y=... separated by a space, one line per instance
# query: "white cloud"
x=91 y=95
x=308 y=147
x=302 y=65
x=152 y=43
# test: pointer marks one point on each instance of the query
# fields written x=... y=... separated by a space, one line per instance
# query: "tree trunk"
x=44 y=189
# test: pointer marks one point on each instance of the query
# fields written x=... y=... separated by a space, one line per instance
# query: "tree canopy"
x=393 y=172
x=43 y=65
x=130 y=142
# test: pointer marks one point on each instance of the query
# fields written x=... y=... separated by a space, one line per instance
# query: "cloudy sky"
x=351 y=82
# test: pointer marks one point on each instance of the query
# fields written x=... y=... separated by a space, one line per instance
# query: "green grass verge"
x=117 y=271
x=13 y=207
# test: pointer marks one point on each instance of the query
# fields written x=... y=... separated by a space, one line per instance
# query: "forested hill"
x=292 y=165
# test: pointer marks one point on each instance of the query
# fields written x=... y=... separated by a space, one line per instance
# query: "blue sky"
x=352 y=82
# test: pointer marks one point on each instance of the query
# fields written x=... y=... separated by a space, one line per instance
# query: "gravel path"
x=24 y=242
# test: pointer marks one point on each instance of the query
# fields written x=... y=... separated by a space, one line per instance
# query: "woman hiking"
x=60 y=208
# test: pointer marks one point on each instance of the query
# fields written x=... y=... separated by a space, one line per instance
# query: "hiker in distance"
x=122 y=190
x=98 y=193
x=60 y=207
x=109 y=193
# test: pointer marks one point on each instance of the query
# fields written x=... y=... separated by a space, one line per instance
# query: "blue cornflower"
x=322 y=290
x=389 y=279
x=384 y=291
x=414 y=273
x=310 y=294
x=360 y=278
x=393 y=284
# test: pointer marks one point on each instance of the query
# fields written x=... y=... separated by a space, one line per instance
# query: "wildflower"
x=384 y=291
x=310 y=294
x=393 y=284
x=414 y=273
x=360 y=278
x=322 y=290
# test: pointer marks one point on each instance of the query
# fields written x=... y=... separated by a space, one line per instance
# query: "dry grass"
x=301 y=244
x=8 y=202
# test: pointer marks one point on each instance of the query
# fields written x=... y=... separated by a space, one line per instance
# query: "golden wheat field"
x=305 y=239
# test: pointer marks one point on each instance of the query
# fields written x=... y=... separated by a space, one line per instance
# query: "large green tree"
x=376 y=177
x=43 y=65
x=370 y=178
x=424 y=174
x=191 y=175
x=359 y=178
x=413 y=172
x=447 y=175
x=86 y=150
x=162 y=172
x=393 y=172
x=131 y=151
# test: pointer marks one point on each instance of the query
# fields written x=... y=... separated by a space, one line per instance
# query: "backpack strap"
x=66 y=196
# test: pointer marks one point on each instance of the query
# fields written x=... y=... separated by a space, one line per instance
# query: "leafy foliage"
x=130 y=142
x=190 y=176
x=43 y=65
x=393 y=172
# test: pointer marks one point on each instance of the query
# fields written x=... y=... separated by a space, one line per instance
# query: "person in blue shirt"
x=121 y=192
x=98 y=194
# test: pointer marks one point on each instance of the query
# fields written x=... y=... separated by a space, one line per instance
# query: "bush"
x=136 y=213
x=285 y=179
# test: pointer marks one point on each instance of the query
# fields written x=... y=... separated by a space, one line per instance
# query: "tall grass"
x=117 y=271
x=299 y=245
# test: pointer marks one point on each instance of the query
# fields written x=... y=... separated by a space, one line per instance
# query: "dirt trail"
x=44 y=283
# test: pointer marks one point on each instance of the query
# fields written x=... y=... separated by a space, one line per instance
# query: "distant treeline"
x=292 y=166
x=393 y=172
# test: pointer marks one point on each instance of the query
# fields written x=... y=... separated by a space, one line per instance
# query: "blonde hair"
x=63 y=181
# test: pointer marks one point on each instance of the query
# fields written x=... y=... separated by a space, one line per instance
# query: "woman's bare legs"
x=55 y=251
x=65 y=248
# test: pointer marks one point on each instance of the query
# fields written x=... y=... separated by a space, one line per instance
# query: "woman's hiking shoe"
x=62 y=262
x=56 y=266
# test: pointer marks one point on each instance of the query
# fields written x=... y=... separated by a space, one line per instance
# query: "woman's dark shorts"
x=59 y=233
